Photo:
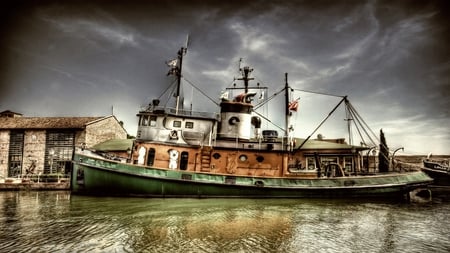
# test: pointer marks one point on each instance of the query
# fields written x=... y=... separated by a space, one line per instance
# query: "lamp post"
x=129 y=154
x=51 y=153
x=355 y=160
x=368 y=153
x=393 y=155
x=374 y=153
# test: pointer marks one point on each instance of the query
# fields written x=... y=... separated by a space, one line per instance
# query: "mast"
x=349 y=124
x=181 y=53
x=286 y=105
x=245 y=72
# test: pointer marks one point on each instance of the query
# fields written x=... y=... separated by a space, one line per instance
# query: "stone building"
x=46 y=144
x=10 y=114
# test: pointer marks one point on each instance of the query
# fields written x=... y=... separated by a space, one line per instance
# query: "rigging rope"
x=204 y=94
x=320 y=93
x=323 y=121
x=268 y=120
x=268 y=99
x=364 y=125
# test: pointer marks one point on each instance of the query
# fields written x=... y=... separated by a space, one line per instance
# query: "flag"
x=224 y=95
x=261 y=96
x=239 y=98
x=172 y=63
x=293 y=106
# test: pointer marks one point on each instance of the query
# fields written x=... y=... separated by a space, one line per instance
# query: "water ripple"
x=59 y=222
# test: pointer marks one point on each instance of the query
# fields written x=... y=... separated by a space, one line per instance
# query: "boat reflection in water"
x=235 y=229
x=60 y=222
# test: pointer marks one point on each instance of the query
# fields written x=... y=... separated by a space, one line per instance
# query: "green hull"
x=102 y=177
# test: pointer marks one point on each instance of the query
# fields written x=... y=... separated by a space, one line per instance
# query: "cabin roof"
x=47 y=122
x=10 y=112
x=114 y=145
x=322 y=144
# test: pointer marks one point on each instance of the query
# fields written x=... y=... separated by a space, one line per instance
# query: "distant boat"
x=184 y=153
x=439 y=170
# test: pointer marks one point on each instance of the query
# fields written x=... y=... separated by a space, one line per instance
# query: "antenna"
x=187 y=41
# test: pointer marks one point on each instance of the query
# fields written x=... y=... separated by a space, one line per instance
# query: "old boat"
x=183 y=153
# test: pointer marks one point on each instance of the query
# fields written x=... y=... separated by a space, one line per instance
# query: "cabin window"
x=152 y=121
x=144 y=121
x=151 y=157
x=311 y=163
x=189 y=124
x=184 y=160
x=177 y=123
x=348 y=163
x=328 y=160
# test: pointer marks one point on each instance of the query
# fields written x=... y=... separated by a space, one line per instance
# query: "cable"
x=204 y=94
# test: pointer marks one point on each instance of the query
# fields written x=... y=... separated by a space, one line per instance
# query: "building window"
x=59 y=147
x=189 y=124
x=177 y=123
x=15 y=153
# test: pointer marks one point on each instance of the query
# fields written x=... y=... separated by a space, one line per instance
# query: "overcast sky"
x=83 y=58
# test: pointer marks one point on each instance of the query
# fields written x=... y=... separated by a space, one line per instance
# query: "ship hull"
x=437 y=171
x=93 y=176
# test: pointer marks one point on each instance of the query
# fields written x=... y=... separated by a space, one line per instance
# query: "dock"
x=25 y=184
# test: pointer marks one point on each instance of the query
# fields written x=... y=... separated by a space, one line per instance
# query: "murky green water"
x=60 y=222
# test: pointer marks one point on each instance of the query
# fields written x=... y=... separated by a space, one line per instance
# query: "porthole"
x=243 y=158
x=260 y=159
x=216 y=156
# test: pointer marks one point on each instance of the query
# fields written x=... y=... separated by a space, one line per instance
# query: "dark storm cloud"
x=83 y=57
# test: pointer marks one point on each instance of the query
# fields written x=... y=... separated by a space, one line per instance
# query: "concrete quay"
x=21 y=184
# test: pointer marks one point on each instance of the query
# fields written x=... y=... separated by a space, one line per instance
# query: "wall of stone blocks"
x=34 y=143
x=80 y=138
x=4 y=151
x=104 y=130
x=34 y=150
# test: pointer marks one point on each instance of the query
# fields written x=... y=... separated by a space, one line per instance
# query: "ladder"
x=206 y=159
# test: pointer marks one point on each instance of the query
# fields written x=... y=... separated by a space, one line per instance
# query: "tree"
x=383 y=155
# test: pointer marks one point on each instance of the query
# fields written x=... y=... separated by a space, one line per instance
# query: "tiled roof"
x=46 y=122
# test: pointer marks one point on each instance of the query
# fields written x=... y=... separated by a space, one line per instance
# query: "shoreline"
x=18 y=184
